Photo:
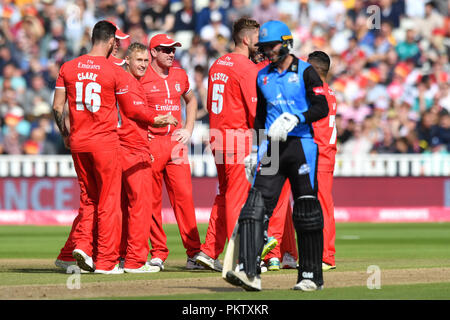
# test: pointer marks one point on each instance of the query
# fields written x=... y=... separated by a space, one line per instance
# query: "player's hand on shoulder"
x=150 y=136
x=164 y=120
x=182 y=135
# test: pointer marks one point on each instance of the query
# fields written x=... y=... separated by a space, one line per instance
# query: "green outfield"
x=411 y=261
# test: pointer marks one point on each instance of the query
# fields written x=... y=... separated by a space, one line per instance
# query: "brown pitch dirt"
x=197 y=285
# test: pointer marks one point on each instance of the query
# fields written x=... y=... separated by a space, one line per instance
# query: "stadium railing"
x=376 y=165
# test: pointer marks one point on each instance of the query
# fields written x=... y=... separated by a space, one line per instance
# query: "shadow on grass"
x=34 y=270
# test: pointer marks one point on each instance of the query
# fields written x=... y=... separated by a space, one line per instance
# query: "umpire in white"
x=290 y=98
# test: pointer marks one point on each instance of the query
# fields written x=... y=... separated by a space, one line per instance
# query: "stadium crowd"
x=390 y=67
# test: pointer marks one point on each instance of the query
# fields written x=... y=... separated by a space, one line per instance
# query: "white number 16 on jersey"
x=217 y=98
x=92 y=100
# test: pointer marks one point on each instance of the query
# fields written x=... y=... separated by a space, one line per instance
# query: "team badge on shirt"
x=265 y=80
x=293 y=78
x=178 y=87
x=304 y=169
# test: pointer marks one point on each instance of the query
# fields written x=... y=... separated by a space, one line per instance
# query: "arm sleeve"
x=316 y=96
x=249 y=96
x=261 y=114
x=136 y=112
x=60 y=80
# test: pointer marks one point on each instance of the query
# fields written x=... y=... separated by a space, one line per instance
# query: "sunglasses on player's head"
x=166 y=50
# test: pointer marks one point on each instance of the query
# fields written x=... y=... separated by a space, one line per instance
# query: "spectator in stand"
x=38 y=143
x=78 y=19
x=212 y=30
x=264 y=11
x=10 y=72
x=359 y=144
x=201 y=93
x=185 y=18
x=427 y=129
x=158 y=18
x=392 y=10
x=432 y=20
x=443 y=133
x=408 y=49
x=239 y=9
x=38 y=89
x=204 y=16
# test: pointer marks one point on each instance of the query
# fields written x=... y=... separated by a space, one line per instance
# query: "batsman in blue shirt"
x=290 y=98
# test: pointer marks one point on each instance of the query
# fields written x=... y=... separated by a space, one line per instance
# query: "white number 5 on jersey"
x=217 y=98
x=92 y=100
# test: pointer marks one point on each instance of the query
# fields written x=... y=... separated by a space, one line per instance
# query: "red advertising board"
x=54 y=201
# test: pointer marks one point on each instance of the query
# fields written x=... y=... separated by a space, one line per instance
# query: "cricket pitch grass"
x=374 y=262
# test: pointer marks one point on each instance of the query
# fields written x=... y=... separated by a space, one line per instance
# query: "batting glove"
x=250 y=163
x=282 y=125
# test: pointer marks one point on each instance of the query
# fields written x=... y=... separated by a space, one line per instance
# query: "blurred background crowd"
x=390 y=69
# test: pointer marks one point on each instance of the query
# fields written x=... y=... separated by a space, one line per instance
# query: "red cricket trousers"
x=281 y=224
x=97 y=228
x=233 y=192
x=136 y=206
x=325 y=183
x=171 y=164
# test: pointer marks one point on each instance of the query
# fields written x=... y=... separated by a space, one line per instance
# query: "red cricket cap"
x=119 y=34
x=163 y=40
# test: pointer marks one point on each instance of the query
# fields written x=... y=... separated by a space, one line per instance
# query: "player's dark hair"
x=103 y=31
x=240 y=26
x=321 y=61
x=136 y=46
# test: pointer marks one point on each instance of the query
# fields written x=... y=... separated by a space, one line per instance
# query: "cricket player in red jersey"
x=65 y=258
x=325 y=135
x=90 y=86
x=164 y=87
x=231 y=105
x=120 y=35
x=136 y=163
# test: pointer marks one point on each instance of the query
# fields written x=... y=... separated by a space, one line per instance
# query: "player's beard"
x=110 y=51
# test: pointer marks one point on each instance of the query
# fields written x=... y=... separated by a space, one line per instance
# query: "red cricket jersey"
x=164 y=95
x=135 y=116
x=231 y=100
x=91 y=87
x=325 y=133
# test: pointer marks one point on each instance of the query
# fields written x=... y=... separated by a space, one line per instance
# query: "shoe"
x=68 y=266
x=288 y=262
x=274 y=264
x=115 y=270
x=208 y=262
x=307 y=285
x=326 y=266
x=270 y=245
x=146 y=268
x=191 y=264
x=240 y=279
x=121 y=262
x=64 y=264
x=84 y=261
x=263 y=267
x=157 y=262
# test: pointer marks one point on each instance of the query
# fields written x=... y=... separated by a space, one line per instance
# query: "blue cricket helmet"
x=274 y=31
